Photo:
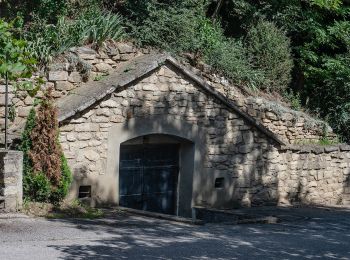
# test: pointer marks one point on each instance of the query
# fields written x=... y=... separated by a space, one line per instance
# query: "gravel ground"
x=308 y=234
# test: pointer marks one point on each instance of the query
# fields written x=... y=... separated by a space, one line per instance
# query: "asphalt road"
x=311 y=234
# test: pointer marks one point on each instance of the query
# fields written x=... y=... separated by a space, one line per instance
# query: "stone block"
x=58 y=76
x=75 y=77
x=109 y=103
x=345 y=147
x=84 y=136
x=2 y=99
x=149 y=87
x=103 y=112
x=124 y=48
x=87 y=127
x=100 y=119
x=23 y=111
x=126 y=57
x=64 y=85
x=28 y=101
x=245 y=149
x=91 y=155
x=103 y=67
x=117 y=119
x=329 y=149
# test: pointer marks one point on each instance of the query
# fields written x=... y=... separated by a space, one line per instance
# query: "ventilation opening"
x=84 y=192
x=219 y=183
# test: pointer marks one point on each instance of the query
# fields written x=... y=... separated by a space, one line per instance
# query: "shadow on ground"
x=322 y=234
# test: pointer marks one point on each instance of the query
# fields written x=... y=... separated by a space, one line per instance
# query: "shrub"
x=47 y=176
x=269 y=51
x=25 y=146
x=49 y=10
x=293 y=99
x=45 y=153
x=60 y=192
x=229 y=56
x=38 y=187
x=172 y=26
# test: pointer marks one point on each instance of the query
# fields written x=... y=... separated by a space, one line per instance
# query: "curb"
x=162 y=216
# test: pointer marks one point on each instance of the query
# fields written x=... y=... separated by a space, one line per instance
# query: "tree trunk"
x=217 y=9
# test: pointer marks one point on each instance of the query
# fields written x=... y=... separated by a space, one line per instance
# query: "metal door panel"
x=148 y=177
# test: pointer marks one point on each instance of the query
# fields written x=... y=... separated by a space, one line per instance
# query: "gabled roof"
x=90 y=93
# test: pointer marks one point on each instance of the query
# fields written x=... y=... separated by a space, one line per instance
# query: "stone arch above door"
x=191 y=157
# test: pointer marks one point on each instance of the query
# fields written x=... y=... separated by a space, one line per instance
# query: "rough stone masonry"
x=109 y=97
x=11 y=167
x=255 y=165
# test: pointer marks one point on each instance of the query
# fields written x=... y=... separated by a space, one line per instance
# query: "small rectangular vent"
x=219 y=183
x=84 y=192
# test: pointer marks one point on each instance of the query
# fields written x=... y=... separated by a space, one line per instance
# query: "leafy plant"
x=49 y=10
x=38 y=187
x=93 y=27
x=293 y=98
x=173 y=26
x=269 y=51
x=230 y=57
x=15 y=62
x=97 y=27
x=320 y=39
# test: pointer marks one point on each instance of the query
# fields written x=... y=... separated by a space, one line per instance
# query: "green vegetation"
x=74 y=209
x=92 y=27
x=269 y=51
x=323 y=142
x=47 y=176
x=15 y=62
x=301 y=48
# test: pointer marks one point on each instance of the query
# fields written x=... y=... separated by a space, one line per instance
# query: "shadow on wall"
x=225 y=146
x=346 y=189
x=234 y=164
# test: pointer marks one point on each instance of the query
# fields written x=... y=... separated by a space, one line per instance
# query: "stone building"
x=144 y=131
x=154 y=136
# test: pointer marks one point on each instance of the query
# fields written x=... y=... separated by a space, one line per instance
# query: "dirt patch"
x=74 y=209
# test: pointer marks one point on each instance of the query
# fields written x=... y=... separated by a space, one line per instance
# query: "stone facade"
x=317 y=175
x=294 y=127
x=255 y=168
x=10 y=180
x=66 y=73
x=83 y=64
x=241 y=140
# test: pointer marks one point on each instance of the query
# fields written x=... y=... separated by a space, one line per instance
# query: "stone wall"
x=66 y=73
x=314 y=175
x=256 y=171
x=11 y=180
x=229 y=141
x=82 y=64
x=294 y=127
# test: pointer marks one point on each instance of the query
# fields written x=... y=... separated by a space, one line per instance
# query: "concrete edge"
x=162 y=216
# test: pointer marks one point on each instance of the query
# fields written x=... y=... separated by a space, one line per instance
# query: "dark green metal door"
x=148 y=177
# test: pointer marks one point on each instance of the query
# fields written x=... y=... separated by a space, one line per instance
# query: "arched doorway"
x=149 y=173
x=157 y=130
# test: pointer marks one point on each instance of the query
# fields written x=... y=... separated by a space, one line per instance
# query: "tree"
x=320 y=39
x=15 y=62
x=47 y=176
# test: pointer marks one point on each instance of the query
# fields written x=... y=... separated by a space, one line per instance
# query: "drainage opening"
x=219 y=183
x=84 y=192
